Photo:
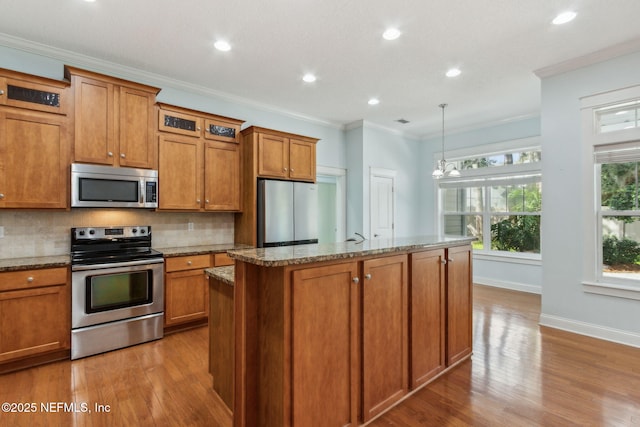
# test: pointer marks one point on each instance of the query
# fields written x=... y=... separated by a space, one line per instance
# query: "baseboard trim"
x=591 y=330
x=514 y=286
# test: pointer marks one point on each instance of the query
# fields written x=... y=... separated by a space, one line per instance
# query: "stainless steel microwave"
x=109 y=187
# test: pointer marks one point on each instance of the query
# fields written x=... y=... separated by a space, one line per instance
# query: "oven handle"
x=116 y=264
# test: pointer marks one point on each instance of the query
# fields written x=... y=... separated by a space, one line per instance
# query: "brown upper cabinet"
x=114 y=120
x=286 y=157
x=34 y=141
x=268 y=153
x=199 y=161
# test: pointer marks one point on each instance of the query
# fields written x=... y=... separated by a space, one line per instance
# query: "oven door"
x=109 y=292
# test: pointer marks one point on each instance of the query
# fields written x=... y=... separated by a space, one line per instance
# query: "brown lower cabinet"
x=35 y=315
x=428 y=315
x=186 y=286
x=385 y=357
x=338 y=343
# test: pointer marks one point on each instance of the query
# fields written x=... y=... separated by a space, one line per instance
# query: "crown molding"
x=620 y=49
x=135 y=74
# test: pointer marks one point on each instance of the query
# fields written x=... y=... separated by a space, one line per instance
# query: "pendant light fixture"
x=442 y=167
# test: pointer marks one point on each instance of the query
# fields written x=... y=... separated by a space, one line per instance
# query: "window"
x=618 y=210
x=497 y=199
x=611 y=161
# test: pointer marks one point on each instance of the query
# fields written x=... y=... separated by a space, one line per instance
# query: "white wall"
x=564 y=302
x=369 y=147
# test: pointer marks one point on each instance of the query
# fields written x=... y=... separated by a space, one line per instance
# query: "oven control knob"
x=134 y=231
x=92 y=232
x=142 y=231
x=81 y=232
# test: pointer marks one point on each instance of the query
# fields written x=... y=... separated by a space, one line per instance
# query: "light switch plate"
x=190 y=226
x=1 y=232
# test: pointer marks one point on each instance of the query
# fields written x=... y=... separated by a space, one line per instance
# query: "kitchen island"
x=336 y=334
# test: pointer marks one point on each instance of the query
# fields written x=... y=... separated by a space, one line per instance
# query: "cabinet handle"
x=189 y=263
x=206 y=201
x=291 y=169
x=122 y=155
x=198 y=128
x=110 y=154
x=284 y=169
x=29 y=279
x=1 y=196
x=449 y=260
x=198 y=201
x=443 y=261
x=356 y=280
x=1 y=92
x=367 y=276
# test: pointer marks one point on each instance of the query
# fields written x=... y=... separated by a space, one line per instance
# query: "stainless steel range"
x=117 y=289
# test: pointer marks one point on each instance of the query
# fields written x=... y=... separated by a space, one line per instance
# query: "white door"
x=382 y=209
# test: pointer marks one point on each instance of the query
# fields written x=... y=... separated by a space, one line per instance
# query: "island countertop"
x=303 y=254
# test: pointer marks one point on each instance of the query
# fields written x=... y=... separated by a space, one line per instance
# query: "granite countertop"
x=226 y=274
x=200 y=250
x=303 y=254
x=27 y=263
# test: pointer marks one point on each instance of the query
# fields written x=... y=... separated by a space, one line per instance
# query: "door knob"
x=367 y=276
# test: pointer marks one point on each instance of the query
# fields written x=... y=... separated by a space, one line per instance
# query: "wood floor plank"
x=520 y=374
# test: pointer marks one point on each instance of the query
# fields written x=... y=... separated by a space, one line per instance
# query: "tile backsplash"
x=44 y=233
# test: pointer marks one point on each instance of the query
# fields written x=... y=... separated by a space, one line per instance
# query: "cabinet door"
x=459 y=303
x=34 y=160
x=221 y=131
x=427 y=324
x=33 y=95
x=136 y=129
x=34 y=321
x=302 y=160
x=95 y=139
x=186 y=297
x=179 y=173
x=180 y=123
x=324 y=325
x=273 y=156
x=222 y=176
x=384 y=334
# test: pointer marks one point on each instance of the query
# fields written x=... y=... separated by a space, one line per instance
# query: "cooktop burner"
x=103 y=245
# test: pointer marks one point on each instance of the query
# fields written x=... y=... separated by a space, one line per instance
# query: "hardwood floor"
x=520 y=375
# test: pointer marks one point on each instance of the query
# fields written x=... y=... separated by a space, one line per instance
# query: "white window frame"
x=593 y=279
x=487 y=177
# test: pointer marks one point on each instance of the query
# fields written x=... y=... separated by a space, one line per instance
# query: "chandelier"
x=442 y=167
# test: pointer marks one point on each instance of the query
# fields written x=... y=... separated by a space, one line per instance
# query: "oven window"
x=112 y=291
x=108 y=190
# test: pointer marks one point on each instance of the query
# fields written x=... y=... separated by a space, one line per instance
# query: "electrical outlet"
x=1 y=232
x=190 y=226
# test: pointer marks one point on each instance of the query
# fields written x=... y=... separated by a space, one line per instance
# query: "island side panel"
x=272 y=338
x=221 y=340
x=245 y=412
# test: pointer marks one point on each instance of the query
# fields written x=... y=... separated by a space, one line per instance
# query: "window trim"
x=593 y=281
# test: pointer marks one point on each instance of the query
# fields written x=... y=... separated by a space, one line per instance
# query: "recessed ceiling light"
x=453 y=72
x=564 y=17
x=391 y=34
x=309 y=78
x=374 y=101
x=222 y=46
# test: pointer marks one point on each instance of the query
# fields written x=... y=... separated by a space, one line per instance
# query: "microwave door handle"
x=142 y=188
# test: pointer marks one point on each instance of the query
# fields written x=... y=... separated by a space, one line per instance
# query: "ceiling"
x=497 y=44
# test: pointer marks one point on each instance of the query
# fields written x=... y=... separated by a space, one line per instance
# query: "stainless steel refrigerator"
x=287 y=213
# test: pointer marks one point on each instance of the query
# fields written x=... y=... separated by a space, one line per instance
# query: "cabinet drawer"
x=187 y=263
x=13 y=280
x=222 y=259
